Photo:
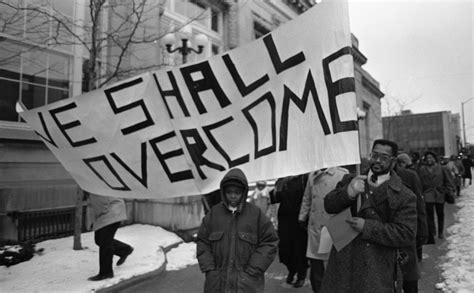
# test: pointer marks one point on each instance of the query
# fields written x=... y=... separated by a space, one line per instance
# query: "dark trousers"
x=410 y=286
x=292 y=247
x=316 y=274
x=108 y=246
x=430 y=208
x=419 y=251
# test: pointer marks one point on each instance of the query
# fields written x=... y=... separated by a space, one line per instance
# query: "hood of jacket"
x=235 y=176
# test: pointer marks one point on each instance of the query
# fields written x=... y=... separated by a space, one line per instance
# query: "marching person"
x=457 y=172
x=293 y=237
x=411 y=269
x=260 y=197
x=313 y=214
x=384 y=213
x=236 y=242
x=467 y=163
x=108 y=213
x=436 y=181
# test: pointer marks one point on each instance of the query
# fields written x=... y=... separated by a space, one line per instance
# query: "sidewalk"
x=60 y=268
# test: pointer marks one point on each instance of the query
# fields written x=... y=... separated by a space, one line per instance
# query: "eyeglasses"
x=381 y=157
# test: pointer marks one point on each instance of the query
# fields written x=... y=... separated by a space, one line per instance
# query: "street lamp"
x=186 y=48
x=463 y=123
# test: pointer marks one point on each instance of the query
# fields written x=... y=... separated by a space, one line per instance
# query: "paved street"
x=191 y=280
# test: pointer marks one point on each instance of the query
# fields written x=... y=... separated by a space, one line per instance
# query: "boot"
x=100 y=277
x=122 y=259
x=299 y=283
x=290 y=277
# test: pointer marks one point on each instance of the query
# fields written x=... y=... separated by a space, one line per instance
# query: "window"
x=36 y=77
x=11 y=20
x=200 y=12
x=215 y=16
x=215 y=49
x=33 y=68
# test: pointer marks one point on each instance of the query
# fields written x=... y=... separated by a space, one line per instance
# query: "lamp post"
x=186 y=48
x=463 y=123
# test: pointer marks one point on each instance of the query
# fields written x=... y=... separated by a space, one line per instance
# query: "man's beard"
x=380 y=172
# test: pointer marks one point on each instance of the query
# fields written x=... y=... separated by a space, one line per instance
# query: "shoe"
x=290 y=277
x=122 y=259
x=430 y=240
x=101 y=277
x=441 y=236
x=299 y=283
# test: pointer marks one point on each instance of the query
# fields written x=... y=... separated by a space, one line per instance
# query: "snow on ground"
x=60 y=268
x=458 y=266
x=181 y=256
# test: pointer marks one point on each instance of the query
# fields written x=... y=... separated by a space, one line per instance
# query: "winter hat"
x=435 y=156
x=233 y=182
x=404 y=158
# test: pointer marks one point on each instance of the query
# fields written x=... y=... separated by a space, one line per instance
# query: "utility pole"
x=463 y=122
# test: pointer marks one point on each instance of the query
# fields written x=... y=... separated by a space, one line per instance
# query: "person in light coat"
x=312 y=213
x=261 y=197
x=107 y=214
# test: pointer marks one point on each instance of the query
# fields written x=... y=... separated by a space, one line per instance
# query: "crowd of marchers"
x=395 y=205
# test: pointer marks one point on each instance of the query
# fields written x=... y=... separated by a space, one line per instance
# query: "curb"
x=140 y=278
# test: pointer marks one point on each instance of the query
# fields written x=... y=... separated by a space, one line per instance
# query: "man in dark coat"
x=384 y=214
x=236 y=242
x=436 y=181
x=411 y=269
x=467 y=163
x=293 y=236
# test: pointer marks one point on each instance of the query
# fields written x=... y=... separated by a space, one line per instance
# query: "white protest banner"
x=281 y=105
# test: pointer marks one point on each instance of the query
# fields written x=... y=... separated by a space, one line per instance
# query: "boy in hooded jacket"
x=236 y=242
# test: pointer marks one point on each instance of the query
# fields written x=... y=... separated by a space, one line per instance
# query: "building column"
x=232 y=24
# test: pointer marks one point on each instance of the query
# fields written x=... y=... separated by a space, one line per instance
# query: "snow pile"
x=458 y=266
x=60 y=268
x=181 y=256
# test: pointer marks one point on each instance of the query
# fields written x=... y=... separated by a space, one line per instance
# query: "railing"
x=45 y=224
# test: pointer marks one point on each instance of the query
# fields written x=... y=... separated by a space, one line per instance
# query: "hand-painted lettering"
x=208 y=82
x=175 y=92
x=268 y=97
x=196 y=151
x=72 y=124
x=208 y=130
x=143 y=163
x=243 y=89
x=140 y=103
x=106 y=163
x=309 y=88
x=275 y=57
x=162 y=157
x=336 y=88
